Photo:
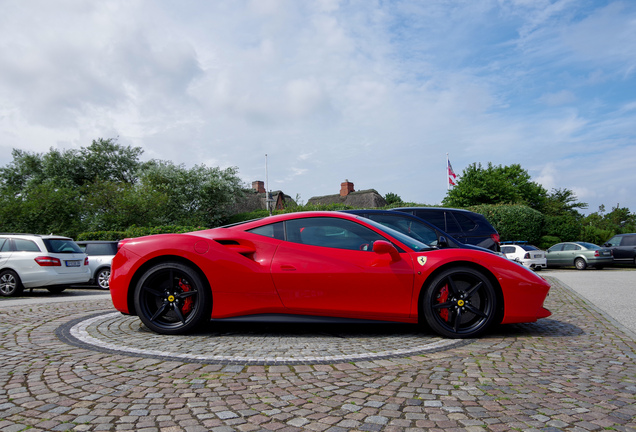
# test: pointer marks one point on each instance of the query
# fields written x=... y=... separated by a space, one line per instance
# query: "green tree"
x=562 y=219
x=496 y=185
x=392 y=198
x=197 y=196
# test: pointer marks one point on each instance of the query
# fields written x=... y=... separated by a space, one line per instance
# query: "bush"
x=513 y=222
x=547 y=241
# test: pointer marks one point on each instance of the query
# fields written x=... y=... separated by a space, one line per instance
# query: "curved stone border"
x=82 y=332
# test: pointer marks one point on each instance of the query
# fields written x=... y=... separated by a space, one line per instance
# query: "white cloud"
x=371 y=91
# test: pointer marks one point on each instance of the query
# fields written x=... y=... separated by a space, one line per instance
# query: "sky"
x=376 y=92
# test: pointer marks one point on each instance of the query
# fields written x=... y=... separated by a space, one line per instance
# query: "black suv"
x=624 y=247
x=415 y=227
x=465 y=226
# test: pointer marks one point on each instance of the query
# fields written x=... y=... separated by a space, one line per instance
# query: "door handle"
x=287 y=267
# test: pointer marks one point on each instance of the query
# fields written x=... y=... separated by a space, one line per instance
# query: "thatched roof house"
x=256 y=199
x=369 y=198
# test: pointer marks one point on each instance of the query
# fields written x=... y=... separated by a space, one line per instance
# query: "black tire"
x=101 y=278
x=460 y=303
x=10 y=284
x=171 y=298
x=580 y=264
x=56 y=289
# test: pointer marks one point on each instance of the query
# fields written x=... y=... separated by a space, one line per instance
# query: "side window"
x=556 y=248
x=411 y=228
x=331 y=232
x=614 y=241
x=569 y=247
x=23 y=245
x=434 y=217
x=507 y=249
x=99 y=249
x=629 y=240
x=466 y=223
x=275 y=230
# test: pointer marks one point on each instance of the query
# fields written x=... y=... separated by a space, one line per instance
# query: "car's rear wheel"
x=171 y=298
x=460 y=303
x=101 y=278
x=10 y=284
x=580 y=264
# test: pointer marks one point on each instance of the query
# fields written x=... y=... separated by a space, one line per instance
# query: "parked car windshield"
x=61 y=246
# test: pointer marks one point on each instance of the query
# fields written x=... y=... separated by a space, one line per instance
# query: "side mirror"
x=607 y=245
x=384 y=247
x=442 y=242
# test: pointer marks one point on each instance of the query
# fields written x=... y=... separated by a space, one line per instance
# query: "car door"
x=555 y=255
x=627 y=248
x=327 y=266
x=569 y=253
x=5 y=250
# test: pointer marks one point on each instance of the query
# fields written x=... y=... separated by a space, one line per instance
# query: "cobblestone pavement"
x=574 y=371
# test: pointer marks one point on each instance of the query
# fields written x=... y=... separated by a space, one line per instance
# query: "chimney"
x=345 y=188
x=258 y=186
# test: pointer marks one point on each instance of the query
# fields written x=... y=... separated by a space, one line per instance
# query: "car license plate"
x=606 y=253
x=75 y=263
x=537 y=256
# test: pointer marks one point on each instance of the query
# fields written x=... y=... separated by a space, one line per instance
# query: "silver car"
x=34 y=261
x=579 y=254
x=100 y=255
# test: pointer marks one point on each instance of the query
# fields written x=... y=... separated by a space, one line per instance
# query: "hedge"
x=513 y=222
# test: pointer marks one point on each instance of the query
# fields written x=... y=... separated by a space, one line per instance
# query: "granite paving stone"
x=79 y=366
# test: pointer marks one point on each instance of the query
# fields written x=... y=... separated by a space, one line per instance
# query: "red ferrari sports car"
x=318 y=266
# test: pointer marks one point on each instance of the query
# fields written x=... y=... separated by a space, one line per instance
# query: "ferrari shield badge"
x=421 y=260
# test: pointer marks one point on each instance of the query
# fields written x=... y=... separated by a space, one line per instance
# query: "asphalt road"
x=612 y=290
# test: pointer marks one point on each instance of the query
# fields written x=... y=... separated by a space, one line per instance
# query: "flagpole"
x=447 y=173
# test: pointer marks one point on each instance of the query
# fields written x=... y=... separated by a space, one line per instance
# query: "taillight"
x=86 y=261
x=527 y=255
x=495 y=237
x=596 y=253
x=46 y=261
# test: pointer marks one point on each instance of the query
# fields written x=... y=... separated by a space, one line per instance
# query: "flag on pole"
x=452 y=177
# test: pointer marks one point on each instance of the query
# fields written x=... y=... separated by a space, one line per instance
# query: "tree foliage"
x=496 y=185
x=106 y=186
x=392 y=198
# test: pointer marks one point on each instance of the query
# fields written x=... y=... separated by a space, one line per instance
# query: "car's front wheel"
x=10 y=284
x=580 y=264
x=101 y=278
x=171 y=298
x=460 y=303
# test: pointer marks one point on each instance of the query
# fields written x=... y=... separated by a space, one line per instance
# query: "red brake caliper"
x=442 y=298
x=187 y=303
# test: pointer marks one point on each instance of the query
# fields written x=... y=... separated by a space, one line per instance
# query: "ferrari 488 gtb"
x=318 y=266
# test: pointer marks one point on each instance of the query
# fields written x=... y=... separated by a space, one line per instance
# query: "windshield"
x=61 y=246
x=416 y=245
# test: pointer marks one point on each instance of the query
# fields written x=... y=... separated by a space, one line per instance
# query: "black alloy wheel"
x=10 y=284
x=460 y=303
x=171 y=298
